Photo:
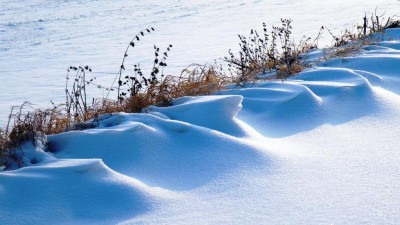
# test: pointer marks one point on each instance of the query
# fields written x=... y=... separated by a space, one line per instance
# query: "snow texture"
x=320 y=148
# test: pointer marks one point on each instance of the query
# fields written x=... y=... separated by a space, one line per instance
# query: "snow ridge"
x=318 y=148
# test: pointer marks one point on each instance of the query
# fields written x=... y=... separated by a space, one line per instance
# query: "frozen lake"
x=39 y=39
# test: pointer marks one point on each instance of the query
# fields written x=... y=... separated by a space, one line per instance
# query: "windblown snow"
x=319 y=148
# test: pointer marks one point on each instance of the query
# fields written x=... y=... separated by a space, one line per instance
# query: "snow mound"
x=271 y=107
x=342 y=91
x=382 y=61
x=160 y=152
x=69 y=191
x=306 y=101
x=213 y=112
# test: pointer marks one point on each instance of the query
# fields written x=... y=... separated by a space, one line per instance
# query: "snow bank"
x=319 y=148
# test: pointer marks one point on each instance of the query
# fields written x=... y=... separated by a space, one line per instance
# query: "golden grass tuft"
x=199 y=80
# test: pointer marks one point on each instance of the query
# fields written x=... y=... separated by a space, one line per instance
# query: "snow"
x=40 y=39
x=319 y=148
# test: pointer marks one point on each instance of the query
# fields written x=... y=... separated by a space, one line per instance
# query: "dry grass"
x=271 y=52
x=199 y=80
x=28 y=124
x=350 y=43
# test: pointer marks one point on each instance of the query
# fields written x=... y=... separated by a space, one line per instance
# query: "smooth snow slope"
x=320 y=148
x=40 y=39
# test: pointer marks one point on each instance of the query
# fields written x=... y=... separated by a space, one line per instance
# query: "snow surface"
x=39 y=39
x=320 y=148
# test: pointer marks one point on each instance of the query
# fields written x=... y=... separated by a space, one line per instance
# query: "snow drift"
x=319 y=148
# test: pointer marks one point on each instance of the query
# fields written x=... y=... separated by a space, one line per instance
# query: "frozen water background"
x=40 y=39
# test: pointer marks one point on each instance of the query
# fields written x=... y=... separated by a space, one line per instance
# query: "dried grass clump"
x=22 y=126
x=199 y=79
x=270 y=52
x=194 y=80
x=10 y=153
x=26 y=124
x=349 y=43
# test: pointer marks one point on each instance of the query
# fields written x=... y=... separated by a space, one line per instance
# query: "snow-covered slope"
x=320 y=148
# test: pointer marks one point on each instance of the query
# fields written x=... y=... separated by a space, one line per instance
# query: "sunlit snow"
x=319 y=148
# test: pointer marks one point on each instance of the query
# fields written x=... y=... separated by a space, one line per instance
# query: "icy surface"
x=320 y=148
x=40 y=39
